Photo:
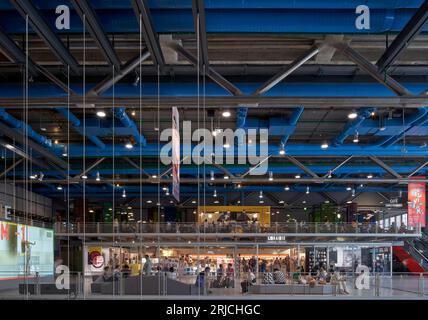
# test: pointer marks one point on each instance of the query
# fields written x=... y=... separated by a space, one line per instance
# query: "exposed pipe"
x=351 y=126
x=292 y=122
x=77 y=124
x=120 y=113
x=18 y=124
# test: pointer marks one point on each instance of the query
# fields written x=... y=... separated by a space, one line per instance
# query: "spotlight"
x=329 y=174
x=282 y=149
x=59 y=187
x=154 y=176
x=287 y=188
x=270 y=176
x=193 y=201
x=356 y=139
x=369 y=176
x=129 y=145
x=210 y=216
x=212 y=175
x=136 y=80
x=33 y=176
x=84 y=177
x=353 y=193
x=352 y=115
x=64 y=152
x=149 y=201
x=226 y=114
x=101 y=114
x=98 y=177
x=348 y=188
x=297 y=176
x=91 y=211
x=215 y=193
x=56 y=141
x=307 y=190
x=261 y=194
x=133 y=113
x=324 y=145
x=226 y=177
x=124 y=194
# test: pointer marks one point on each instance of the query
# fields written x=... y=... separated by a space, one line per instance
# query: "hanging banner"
x=175 y=154
x=416 y=203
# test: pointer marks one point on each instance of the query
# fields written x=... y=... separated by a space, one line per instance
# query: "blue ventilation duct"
x=352 y=126
x=120 y=113
x=18 y=124
x=416 y=119
x=77 y=124
x=292 y=122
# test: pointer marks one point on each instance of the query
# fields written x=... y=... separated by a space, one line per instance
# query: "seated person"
x=278 y=276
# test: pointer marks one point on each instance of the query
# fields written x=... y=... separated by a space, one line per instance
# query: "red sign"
x=416 y=203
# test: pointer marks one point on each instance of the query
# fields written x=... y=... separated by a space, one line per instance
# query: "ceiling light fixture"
x=98 y=177
x=356 y=139
x=324 y=145
x=59 y=187
x=124 y=194
x=352 y=115
x=226 y=114
x=270 y=176
x=129 y=145
x=297 y=176
x=282 y=149
x=101 y=114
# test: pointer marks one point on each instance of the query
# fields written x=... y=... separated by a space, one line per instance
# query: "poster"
x=175 y=154
x=95 y=257
x=416 y=203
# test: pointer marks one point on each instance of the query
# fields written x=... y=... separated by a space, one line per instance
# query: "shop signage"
x=175 y=154
x=416 y=203
x=276 y=238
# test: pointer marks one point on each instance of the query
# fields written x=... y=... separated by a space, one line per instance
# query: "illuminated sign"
x=276 y=238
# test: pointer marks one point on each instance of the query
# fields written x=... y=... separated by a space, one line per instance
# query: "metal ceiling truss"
x=40 y=26
x=151 y=39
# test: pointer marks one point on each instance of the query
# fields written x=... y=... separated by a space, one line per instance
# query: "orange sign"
x=417 y=203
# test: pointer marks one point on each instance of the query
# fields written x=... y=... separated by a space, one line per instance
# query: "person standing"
x=147 y=268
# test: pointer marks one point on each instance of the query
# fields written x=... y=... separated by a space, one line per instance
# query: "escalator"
x=408 y=259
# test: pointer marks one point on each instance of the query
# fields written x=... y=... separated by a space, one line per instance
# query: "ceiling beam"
x=372 y=70
x=19 y=137
x=40 y=26
x=258 y=181
x=109 y=81
x=210 y=72
x=14 y=53
x=16 y=163
x=151 y=39
x=404 y=38
x=301 y=166
x=198 y=10
x=23 y=154
x=285 y=72
x=423 y=165
x=338 y=166
x=259 y=102
x=384 y=166
x=90 y=18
